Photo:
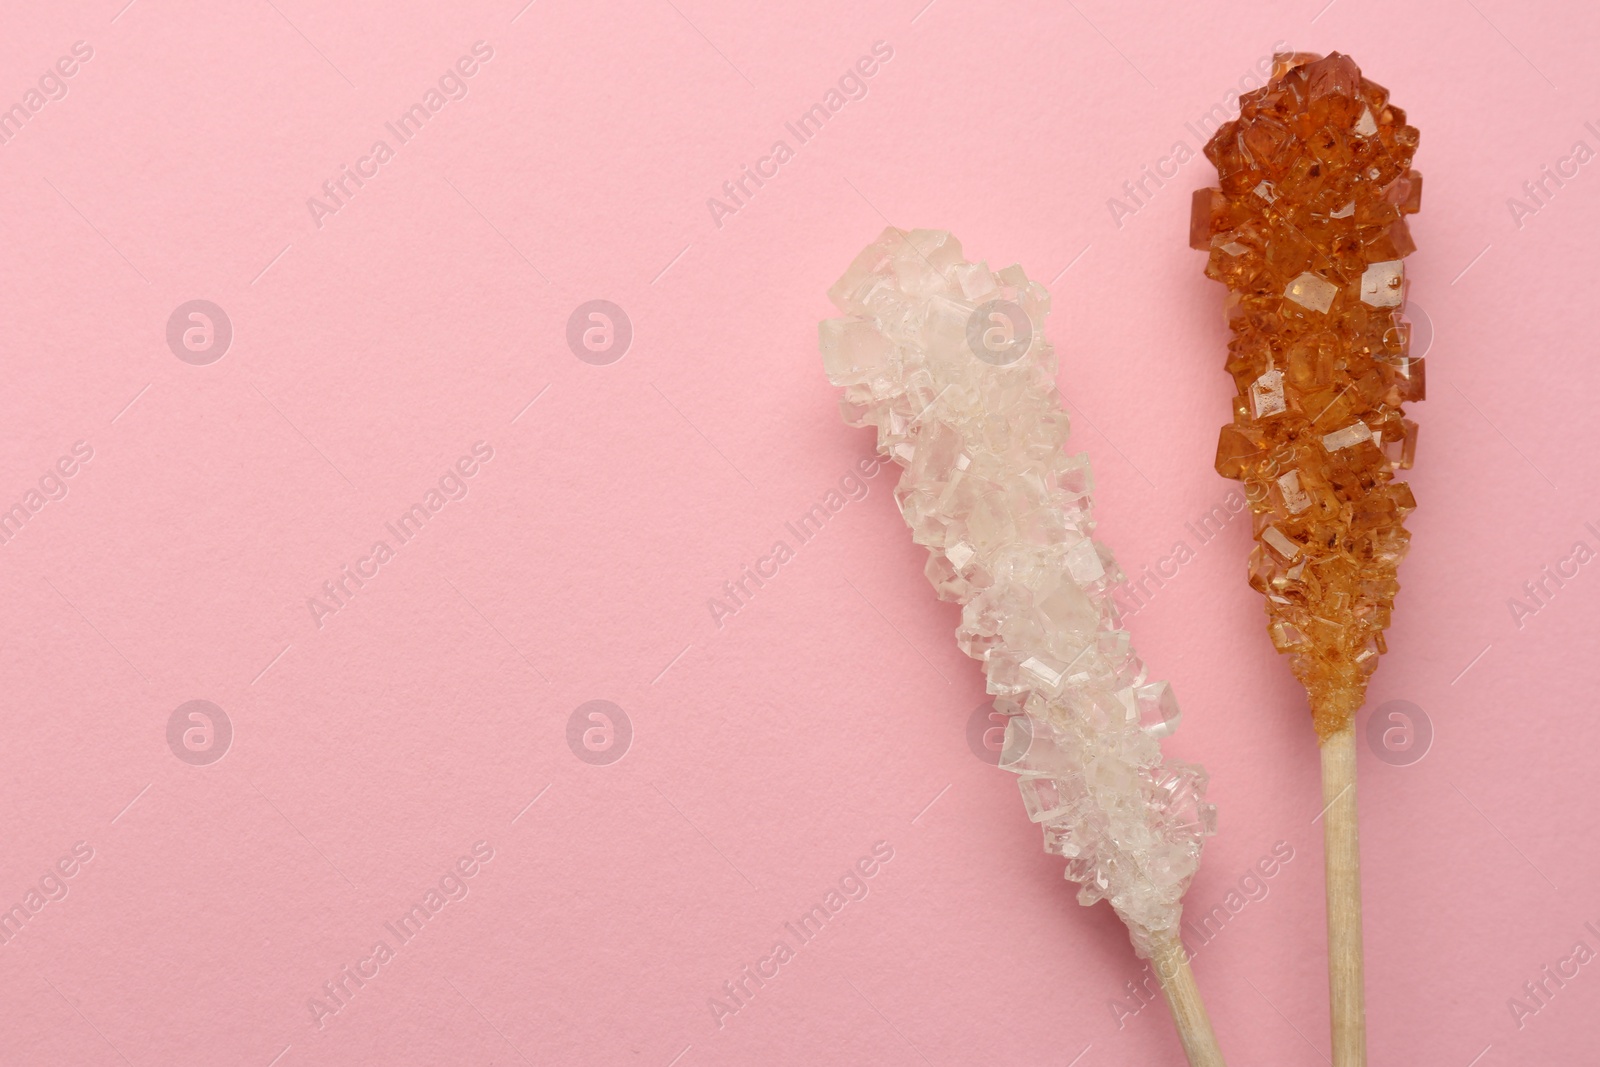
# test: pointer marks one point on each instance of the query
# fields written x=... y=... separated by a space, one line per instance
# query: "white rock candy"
x=962 y=392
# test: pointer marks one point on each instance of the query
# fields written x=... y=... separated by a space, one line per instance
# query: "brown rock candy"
x=1308 y=232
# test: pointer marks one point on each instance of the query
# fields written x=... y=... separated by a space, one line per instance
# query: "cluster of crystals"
x=1005 y=515
x=1309 y=235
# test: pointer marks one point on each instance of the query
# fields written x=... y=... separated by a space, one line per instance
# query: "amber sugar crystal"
x=1308 y=232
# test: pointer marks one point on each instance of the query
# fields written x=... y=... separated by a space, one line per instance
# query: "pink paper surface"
x=442 y=705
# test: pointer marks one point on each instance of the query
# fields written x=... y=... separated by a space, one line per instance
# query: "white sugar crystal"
x=1041 y=797
x=1158 y=709
x=1083 y=562
x=959 y=555
x=1043 y=672
x=1005 y=514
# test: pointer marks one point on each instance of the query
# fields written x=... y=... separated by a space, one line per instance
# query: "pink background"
x=831 y=712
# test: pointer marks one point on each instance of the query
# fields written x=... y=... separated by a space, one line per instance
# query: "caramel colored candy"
x=1308 y=233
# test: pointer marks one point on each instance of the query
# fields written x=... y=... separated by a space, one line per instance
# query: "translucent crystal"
x=1058 y=839
x=1158 y=709
x=1313 y=292
x=1083 y=562
x=1273 y=537
x=1295 y=499
x=1316 y=290
x=1266 y=395
x=1382 y=284
x=1348 y=437
x=1043 y=796
x=1005 y=514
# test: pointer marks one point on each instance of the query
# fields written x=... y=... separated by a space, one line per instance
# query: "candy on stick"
x=948 y=362
x=1308 y=233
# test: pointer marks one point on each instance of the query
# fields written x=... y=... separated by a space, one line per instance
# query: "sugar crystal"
x=1005 y=515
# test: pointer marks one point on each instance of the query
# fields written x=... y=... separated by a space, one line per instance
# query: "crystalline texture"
x=1317 y=285
x=949 y=362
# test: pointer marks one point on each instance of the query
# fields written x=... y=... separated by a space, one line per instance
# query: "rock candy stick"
x=1308 y=233
x=948 y=362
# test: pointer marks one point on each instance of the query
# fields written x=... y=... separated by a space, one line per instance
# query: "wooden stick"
x=1342 y=851
x=1171 y=963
